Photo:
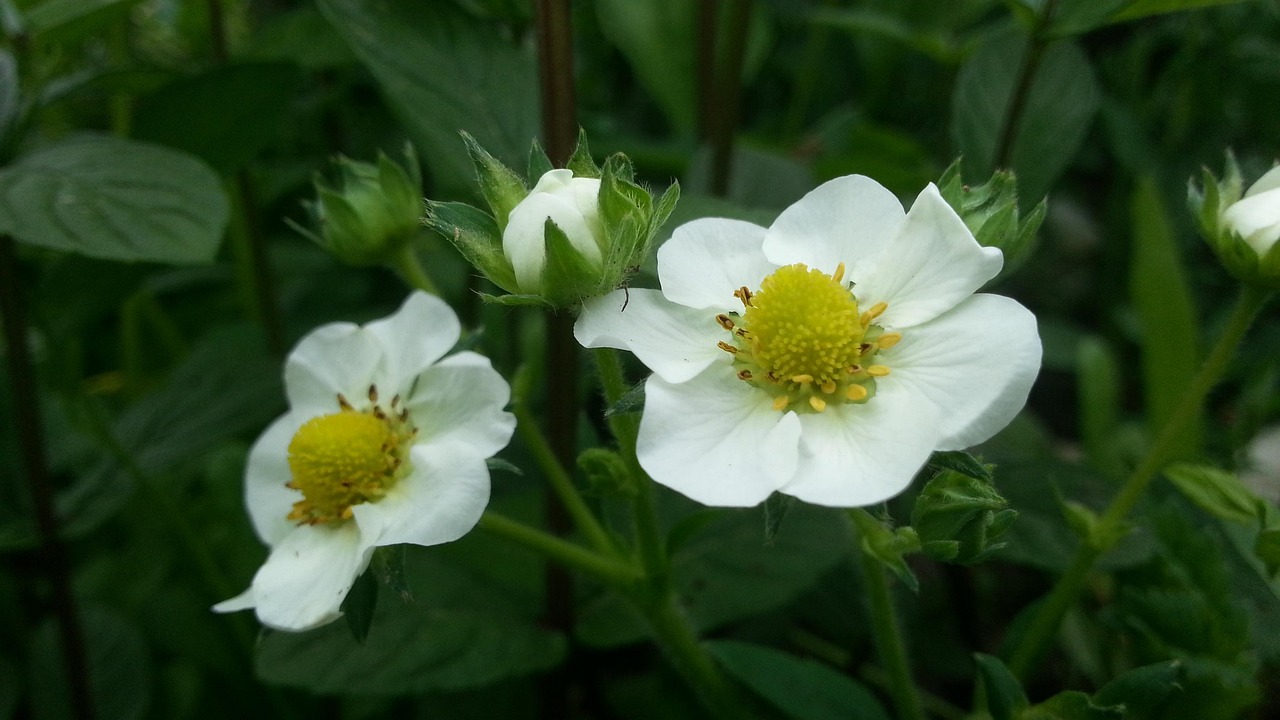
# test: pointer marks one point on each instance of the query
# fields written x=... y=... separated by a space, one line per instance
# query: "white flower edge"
x=457 y=404
x=963 y=370
x=1256 y=217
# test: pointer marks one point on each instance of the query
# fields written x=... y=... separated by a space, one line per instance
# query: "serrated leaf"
x=801 y=689
x=116 y=199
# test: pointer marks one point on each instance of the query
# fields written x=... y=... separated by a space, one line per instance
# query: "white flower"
x=384 y=443
x=1256 y=216
x=569 y=202
x=825 y=357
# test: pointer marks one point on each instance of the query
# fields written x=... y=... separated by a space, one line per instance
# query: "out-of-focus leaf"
x=1079 y=16
x=802 y=689
x=358 y=606
x=1059 y=108
x=1217 y=492
x=10 y=688
x=444 y=71
x=179 y=114
x=65 y=21
x=8 y=94
x=725 y=572
x=1071 y=705
x=116 y=199
x=456 y=634
x=775 y=508
x=119 y=669
x=1162 y=297
x=301 y=36
x=1005 y=696
x=1143 y=690
x=1142 y=8
x=961 y=462
x=1098 y=383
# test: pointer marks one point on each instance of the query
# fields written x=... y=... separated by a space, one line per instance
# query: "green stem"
x=685 y=652
x=728 y=94
x=607 y=569
x=884 y=625
x=410 y=267
x=1044 y=624
x=1036 y=46
x=561 y=481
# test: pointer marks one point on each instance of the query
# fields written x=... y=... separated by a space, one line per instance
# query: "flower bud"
x=1242 y=227
x=570 y=203
x=958 y=518
x=371 y=213
x=990 y=211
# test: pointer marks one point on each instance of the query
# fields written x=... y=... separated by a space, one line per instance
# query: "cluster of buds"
x=580 y=231
x=371 y=214
x=1242 y=226
x=991 y=213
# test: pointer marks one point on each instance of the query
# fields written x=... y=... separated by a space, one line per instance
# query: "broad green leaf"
x=444 y=71
x=1143 y=8
x=1004 y=694
x=1143 y=690
x=802 y=689
x=1058 y=111
x=116 y=199
x=120 y=674
x=66 y=21
x=1217 y=492
x=1099 y=392
x=179 y=116
x=1166 y=315
x=1080 y=16
x=724 y=571
x=456 y=633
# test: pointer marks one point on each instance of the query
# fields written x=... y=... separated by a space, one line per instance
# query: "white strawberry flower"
x=384 y=443
x=1256 y=216
x=825 y=357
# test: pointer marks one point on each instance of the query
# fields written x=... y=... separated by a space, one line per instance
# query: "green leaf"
x=958 y=518
x=1143 y=690
x=1005 y=698
x=60 y=22
x=1099 y=392
x=358 y=606
x=632 y=401
x=1267 y=549
x=801 y=689
x=1071 y=705
x=1217 y=492
x=775 y=508
x=115 y=199
x=443 y=71
x=8 y=97
x=1161 y=295
x=120 y=673
x=178 y=115
x=1059 y=109
x=456 y=634
x=1144 y=8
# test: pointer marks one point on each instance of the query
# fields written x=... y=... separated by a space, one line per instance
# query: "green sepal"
x=961 y=462
x=476 y=236
x=958 y=518
x=580 y=162
x=991 y=212
x=1207 y=204
x=606 y=473
x=775 y=509
x=539 y=163
x=501 y=186
x=567 y=276
x=517 y=300
x=401 y=186
x=625 y=212
x=357 y=607
x=888 y=545
x=631 y=401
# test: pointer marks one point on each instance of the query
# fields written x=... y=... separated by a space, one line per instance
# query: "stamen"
x=856 y=393
x=838 y=275
x=802 y=378
x=817 y=403
x=373 y=393
x=727 y=347
x=395 y=400
x=725 y=321
x=888 y=340
x=342 y=402
x=744 y=295
x=877 y=371
x=829 y=387
x=744 y=375
x=781 y=402
x=876 y=311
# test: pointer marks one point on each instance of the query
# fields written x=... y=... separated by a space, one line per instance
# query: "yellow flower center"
x=346 y=458
x=801 y=338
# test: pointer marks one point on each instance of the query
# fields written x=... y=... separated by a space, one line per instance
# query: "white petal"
x=848 y=219
x=930 y=266
x=706 y=260
x=858 y=455
x=439 y=501
x=524 y=239
x=266 y=472
x=1257 y=219
x=459 y=402
x=975 y=364
x=1266 y=183
x=307 y=576
x=243 y=601
x=332 y=359
x=716 y=439
x=416 y=335
x=674 y=341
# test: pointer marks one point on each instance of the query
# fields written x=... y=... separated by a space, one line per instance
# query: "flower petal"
x=332 y=359
x=706 y=260
x=716 y=439
x=848 y=219
x=416 y=335
x=304 y=581
x=459 y=402
x=524 y=239
x=1257 y=219
x=439 y=501
x=266 y=472
x=1268 y=182
x=975 y=364
x=674 y=341
x=930 y=266
x=858 y=455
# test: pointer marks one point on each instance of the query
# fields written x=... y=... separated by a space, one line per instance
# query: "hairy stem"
x=605 y=568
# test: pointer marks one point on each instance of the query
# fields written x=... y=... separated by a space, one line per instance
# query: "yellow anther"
x=802 y=378
x=829 y=387
x=781 y=402
x=727 y=347
x=838 y=275
x=877 y=371
x=876 y=311
x=817 y=403
x=888 y=340
x=855 y=393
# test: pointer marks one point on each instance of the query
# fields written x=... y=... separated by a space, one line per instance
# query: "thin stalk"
x=699 y=670
x=555 y=63
x=1044 y=624
x=706 y=79
x=609 y=570
x=728 y=96
x=885 y=627
x=561 y=481
x=1036 y=46
x=22 y=386
x=410 y=267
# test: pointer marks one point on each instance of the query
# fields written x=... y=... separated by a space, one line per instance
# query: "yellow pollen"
x=340 y=460
x=781 y=402
x=875 y=312
x=802 y=378
x=877 y=371
x=817 y=403
x=838 y=275
x=829 y=387
x=888 y=340
x=855 y=393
